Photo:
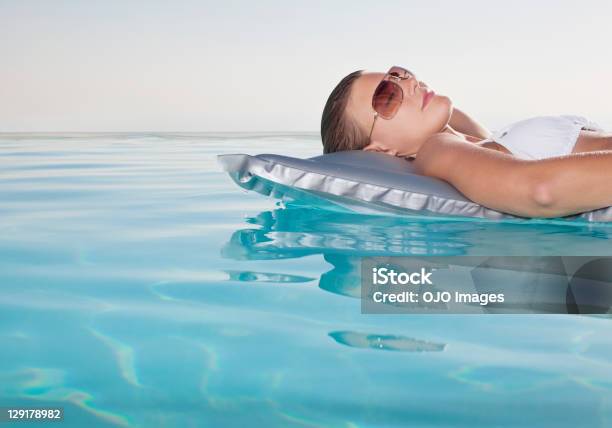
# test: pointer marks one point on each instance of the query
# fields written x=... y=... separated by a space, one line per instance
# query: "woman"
x=543 y=167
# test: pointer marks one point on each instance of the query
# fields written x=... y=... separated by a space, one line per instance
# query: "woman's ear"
x=376 y=146
x=371 y=148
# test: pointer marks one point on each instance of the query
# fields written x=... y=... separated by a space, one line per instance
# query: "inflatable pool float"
x=366 y=182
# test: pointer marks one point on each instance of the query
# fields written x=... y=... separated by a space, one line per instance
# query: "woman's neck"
x=448 y=129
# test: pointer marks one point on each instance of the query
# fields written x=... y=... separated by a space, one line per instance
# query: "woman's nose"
x=413 y=85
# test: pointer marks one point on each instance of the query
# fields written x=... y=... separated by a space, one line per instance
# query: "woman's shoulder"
x=436 y=149
x=442 y=149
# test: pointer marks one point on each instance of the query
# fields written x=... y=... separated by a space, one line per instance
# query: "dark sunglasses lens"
x=387 y=99
x=399 y=72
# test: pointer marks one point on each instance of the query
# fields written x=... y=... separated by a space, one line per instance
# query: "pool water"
x=141 y=287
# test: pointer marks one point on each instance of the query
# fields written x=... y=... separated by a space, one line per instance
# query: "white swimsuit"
x=543 y=136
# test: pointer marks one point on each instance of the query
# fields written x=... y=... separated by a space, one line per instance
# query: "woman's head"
x=339 y=131
x=348 y=116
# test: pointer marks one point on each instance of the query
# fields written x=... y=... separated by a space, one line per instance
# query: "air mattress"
x=364 y=182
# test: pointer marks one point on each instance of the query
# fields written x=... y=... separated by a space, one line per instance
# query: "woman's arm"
x=551 y=187
x=463 y=123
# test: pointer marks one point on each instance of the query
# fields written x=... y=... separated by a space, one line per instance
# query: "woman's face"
x=404 y=134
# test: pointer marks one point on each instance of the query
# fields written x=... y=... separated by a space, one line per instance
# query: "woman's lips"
x=427 y=96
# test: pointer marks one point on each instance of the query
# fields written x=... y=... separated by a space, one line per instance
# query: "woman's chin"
x=444 y=100
x=440 y=102
x=440 y=110
x=446 y=106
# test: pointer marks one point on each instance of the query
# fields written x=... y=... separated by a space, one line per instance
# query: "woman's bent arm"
x=544 y=188
x=575 y=183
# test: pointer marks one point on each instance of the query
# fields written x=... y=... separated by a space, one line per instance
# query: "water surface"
x=140 y=287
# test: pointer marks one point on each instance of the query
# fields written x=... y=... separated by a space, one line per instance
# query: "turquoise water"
x=141 y=287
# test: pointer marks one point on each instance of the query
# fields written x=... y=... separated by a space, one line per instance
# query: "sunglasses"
x=389 y=95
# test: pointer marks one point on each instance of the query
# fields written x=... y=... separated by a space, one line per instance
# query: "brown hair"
x=339 y=131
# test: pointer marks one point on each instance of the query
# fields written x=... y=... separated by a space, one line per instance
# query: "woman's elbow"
x=541 y=198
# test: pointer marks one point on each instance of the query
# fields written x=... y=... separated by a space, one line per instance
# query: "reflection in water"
x=298 y=231
x=250 y=276
x=385 y=342
x=344 y=278
x=344 y=238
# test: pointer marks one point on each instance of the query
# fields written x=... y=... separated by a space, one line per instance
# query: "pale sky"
x=270 y=65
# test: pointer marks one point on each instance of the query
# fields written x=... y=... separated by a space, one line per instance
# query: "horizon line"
x=157 y=132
